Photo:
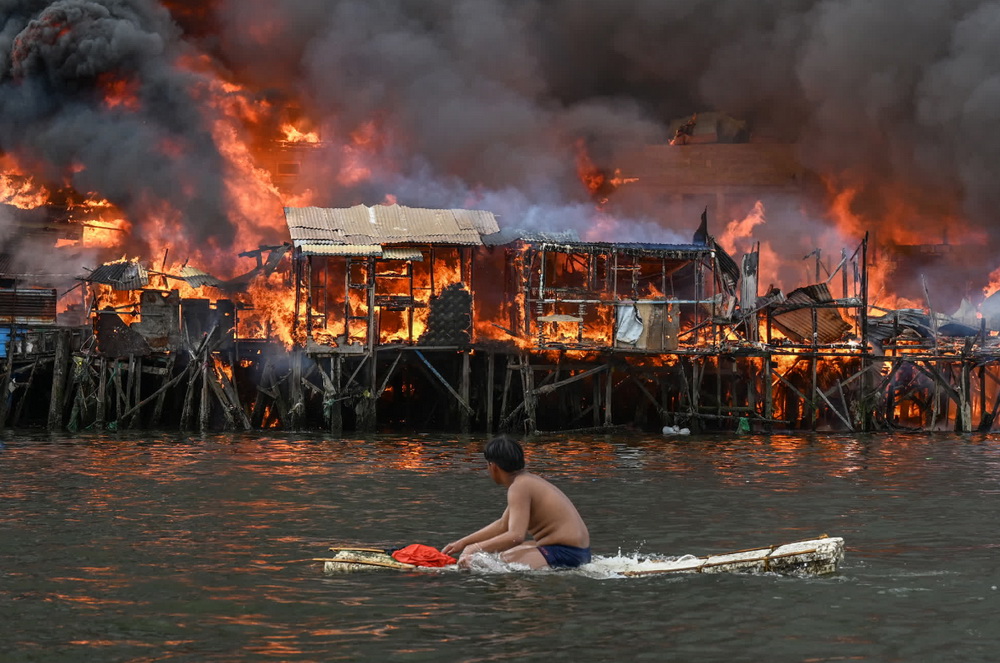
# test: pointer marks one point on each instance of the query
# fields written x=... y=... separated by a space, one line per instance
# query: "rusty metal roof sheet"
x=794 y=316
x=388 y=224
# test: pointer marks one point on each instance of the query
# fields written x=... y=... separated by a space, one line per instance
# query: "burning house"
x=182 y=234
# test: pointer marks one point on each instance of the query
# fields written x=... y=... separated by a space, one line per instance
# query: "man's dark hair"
x=505 y=452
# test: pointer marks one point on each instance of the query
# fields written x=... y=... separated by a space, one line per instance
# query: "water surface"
x=165 y=548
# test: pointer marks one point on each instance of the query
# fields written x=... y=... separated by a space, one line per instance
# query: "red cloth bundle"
x=421 y=555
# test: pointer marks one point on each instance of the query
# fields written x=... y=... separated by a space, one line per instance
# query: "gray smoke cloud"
x=480 y=101
x=494 y=92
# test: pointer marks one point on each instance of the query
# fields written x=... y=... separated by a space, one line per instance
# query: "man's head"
x=506 y=453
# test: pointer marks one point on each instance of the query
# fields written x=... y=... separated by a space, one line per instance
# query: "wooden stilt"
x=608 y=388
x=24 y=398
x=58 y=383
x=530 y=399
x=490 y=378
x=596 y=400
x=204 y=406
x=102 y=389
x=507 y=378
x=5 y=383
x=465 y=418
x=963 y=416
x=161 y=396
x=258 y=409
x=296 y=396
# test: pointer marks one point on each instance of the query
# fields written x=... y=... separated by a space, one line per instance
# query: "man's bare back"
x=535 y=507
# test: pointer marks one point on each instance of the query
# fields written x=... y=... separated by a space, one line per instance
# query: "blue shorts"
x=559 y=556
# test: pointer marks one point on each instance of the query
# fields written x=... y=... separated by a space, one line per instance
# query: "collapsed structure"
x=436 y=319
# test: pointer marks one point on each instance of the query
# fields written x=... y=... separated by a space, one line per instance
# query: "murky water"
x=172 y=549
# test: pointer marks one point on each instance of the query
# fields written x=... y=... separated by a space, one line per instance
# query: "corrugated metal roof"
x=197 y=278
x=402 y=254
x=341 y=249
x=794 y=316
x=128 y=275
x=381 y=224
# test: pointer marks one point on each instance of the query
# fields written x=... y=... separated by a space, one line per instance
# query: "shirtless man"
x=559 y=537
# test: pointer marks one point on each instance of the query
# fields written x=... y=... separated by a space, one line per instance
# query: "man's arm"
x=513 y=526
x=493 y=529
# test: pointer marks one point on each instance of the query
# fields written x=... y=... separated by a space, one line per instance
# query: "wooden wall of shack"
x=524 y=359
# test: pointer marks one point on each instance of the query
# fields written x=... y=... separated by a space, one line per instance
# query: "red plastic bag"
x=421 y=555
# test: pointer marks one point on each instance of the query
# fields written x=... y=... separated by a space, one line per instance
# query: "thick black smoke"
x=483 y=101
x=57 y=60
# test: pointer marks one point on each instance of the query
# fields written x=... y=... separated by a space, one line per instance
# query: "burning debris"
x=155 y=129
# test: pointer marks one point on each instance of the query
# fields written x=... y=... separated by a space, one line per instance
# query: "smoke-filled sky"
x=483 y=102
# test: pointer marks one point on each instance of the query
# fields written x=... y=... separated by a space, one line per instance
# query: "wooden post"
x=136 y=393
x=963 y=418
x=866 y=396
x=296 y=396
x=983 y=416
x=257 y=411
x=128 y=392
x=464 y=389
x=608 y=387
x=490 y=377
x=596 y=396
x=768 y=392
x=5 y=383
x=158 y=408
x=506 y=386
x=204 y=405
x=814 y=404
x=369 y=409
x=58 y=382
x=27 y=389
x=336 y=412
x=530 y=399
x=102 y=390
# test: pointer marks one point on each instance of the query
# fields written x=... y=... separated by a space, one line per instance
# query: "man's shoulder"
x=532 y=482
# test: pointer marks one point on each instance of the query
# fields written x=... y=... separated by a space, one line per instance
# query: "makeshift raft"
x=351 y=560
x=819 y=556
